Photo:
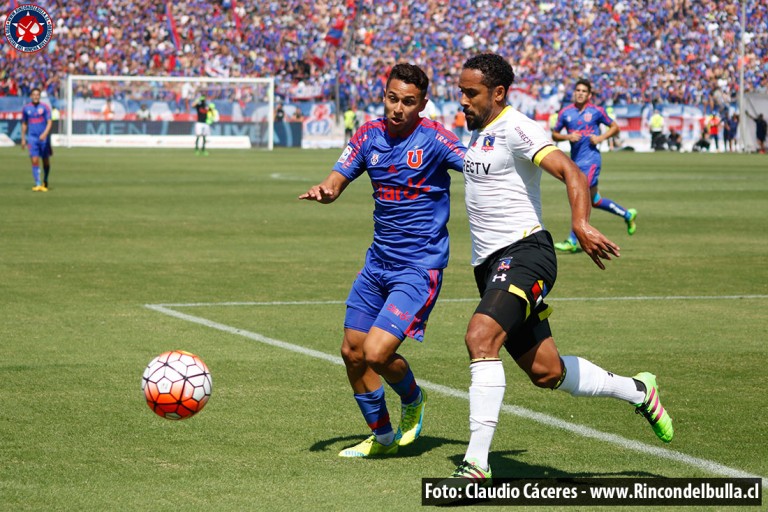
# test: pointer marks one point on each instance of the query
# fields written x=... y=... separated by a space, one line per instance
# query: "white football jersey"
x=503 y=185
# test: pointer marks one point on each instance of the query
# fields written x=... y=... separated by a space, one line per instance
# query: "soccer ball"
x=176 y=384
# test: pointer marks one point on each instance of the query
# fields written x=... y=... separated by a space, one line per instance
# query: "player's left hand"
x=597 y=245
x=595 y=140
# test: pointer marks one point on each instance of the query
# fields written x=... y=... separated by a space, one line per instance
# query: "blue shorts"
x=592 y=170
x=39 y=148
x=392 y=297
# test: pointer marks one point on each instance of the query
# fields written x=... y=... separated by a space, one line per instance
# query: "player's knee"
x=481 y=341
x=473 y=339
x=352 y=355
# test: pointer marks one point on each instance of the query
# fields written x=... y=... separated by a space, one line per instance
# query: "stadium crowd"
x=634 y=51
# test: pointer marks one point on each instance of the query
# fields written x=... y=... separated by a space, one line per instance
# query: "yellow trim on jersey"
x=538 y=157
x=504 y=111
x=514 y=290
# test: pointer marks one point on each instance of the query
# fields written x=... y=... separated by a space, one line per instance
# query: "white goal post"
x=158 y=111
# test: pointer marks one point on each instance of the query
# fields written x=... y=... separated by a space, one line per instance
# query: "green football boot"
x=567 y=246
x=411 y=421
x=631 y=224
x=470 y=470
x=369 y=448
x=651 y=408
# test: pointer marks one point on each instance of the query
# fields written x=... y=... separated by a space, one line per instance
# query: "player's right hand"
x=319 y=193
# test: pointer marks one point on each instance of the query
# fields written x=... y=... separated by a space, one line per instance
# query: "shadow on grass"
x=423 y=445
x=504 y=463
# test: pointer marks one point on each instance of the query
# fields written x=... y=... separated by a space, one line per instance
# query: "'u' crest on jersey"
x=415 y=158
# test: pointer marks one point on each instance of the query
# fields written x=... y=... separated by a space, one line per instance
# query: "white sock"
x=583 y=378
x=486 y=393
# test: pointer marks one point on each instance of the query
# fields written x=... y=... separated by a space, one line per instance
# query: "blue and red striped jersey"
x=36 y=117
x=587 y=122
x=411 y=183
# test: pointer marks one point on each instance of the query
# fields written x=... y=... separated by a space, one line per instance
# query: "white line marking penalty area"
x=545 y=419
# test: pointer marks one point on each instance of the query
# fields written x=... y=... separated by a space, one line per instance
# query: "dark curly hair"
x=410 y=74
x=495 y=69
x=585 y=82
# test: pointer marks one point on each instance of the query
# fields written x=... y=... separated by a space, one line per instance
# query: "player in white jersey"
x=515 y=263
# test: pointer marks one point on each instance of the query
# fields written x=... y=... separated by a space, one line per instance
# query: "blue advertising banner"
x=287 y=134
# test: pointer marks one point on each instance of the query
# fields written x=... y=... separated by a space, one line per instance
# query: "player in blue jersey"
x=407 y=159
x=582 y=122
x=36 y=127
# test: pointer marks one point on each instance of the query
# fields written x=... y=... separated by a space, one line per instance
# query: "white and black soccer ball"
x=176 y=385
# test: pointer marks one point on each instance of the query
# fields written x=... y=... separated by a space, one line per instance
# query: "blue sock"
x=609 y=206
x=572 y=238
x=407 y=388
x=36 y=174
x=374 y=409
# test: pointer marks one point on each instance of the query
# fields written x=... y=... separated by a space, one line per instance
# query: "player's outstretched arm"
x=592 y=241
x=327 y=191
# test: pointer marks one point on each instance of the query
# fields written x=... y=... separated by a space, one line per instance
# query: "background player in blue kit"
x=407 y=159
x=36 y=127
x=582 y=121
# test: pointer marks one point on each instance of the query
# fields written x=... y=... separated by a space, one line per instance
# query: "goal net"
x=159 y=111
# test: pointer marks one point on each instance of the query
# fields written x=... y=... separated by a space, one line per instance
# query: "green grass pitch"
x=225 y=240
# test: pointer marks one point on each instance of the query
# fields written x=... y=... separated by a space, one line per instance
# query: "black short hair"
x=584 y=81
x=495 y=69
x=410 y=74
x=35 y=89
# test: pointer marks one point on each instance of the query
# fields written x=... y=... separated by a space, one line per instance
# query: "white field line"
x=544 y=419
x=468 y=299
x=288 y=177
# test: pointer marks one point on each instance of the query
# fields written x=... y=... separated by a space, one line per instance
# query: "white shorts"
x=203 y=129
